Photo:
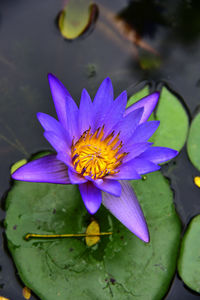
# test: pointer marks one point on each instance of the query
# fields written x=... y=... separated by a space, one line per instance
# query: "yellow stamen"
x=97 y=155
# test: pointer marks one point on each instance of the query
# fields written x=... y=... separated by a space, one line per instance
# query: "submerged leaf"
x=119 y=266
x=189 y=260
x=75 y=18
x=193 y=143
x=149 y=61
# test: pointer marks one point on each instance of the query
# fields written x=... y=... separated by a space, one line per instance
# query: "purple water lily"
x=100 y=146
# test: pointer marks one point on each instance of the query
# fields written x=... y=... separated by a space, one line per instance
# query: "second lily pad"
x=174 y=122
x=189 y=261
x=119 y=266
x=193 y=143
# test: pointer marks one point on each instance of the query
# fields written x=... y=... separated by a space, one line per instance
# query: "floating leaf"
x=193 y=143
x=76 y=18
x=174 y=122
x=173 y=118
x=189 y=260
x=92 y=228
x=119 y=266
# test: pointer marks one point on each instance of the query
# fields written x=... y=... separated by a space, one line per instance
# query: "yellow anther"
x=97 y=155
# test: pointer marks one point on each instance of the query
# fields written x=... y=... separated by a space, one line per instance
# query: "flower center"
x=97 y=156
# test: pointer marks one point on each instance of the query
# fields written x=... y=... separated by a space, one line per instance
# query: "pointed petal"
x=58 y=143
x=85 y=112
x=91 y=196
x=104 y=95
x=76 y=178
x=66 y=108
x=72 y=118
x=45 y=169
x=158 y=155
x=115 y=113
x=144 y=131
x=143 y=166
x=149 y=102
x=59 y=94
x=110 y=186
x=134 y=150
x=127 y=210
x=102 y=101
x=128 y=125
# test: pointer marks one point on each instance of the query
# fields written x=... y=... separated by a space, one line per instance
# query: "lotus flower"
x=100 y=146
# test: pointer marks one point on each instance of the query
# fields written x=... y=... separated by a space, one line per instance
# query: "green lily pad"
x=173 y=129
x=174 y=122
x=193 y=142
x=75 y=18
x=189 y=260
x=119 y=266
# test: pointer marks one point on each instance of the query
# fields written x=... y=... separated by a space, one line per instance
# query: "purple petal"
x=45 y=169
x=59 y=94
x=85 y=112
x=110 y=186
x=72 y=118
x=115 y=113
x=158 y=155
x=102 y=101
x=66 y=159
x=76 y=178
x=51 y=124
x=104 y=95
x=127 y=210
x=91 y=196
x=126 y=172
x=149 y=102
x=134 y=150
x=66 y=108
x=128 y=124
x=58 y=143
x=144 y=131
x=143 y=166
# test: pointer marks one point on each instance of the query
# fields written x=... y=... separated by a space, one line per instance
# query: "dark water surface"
x=31 y=46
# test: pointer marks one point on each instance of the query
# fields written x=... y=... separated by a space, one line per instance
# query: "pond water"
x=168 y=35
